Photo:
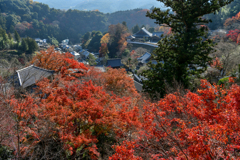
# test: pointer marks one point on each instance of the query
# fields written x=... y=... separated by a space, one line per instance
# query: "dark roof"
x=29 y=75
x=144 y=58
x=138 y=86
x=114 y=63
x=142 y=33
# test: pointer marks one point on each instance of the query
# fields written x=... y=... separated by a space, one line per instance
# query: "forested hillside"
x=35 y=19
x=225 y=12
x=38 y=20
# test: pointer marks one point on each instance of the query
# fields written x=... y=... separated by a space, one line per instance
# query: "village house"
x=28 y=76
x=114 y=63
x=145 y=35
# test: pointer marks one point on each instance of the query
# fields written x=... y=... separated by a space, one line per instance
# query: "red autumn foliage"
x=114 y=81
x=217 y=63
x=53 y=60
x=203 y=125
x=234 y=35
x=117 y=81
x=232 y=20
x=76 y=110
x=72 y=107
x=103 y=50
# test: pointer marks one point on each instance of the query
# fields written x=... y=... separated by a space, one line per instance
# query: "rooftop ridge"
x=35 y=67
x=24 y=68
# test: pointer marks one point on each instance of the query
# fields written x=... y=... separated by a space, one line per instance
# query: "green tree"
x=17 y=37
x=12 y=29
x=135 y=29
x=24 y=45
x=92 y=59
x=53 y=41
x=151 y=29
x=95 y=44
x=184 y=54
x=32 y=45
x=124 y=23
x=2 y=22
x=3 y=34
x=9 y=36
x=87 y=36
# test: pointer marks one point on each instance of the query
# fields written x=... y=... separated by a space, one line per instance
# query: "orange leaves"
x=122 y=43
x=119 y=82
x=217 y=63
x=232 y=20
x=77 y=112
x=103 y=50
x=105 y=38
x=56 y=61
x=234 y=35
x=50 y=59
x=125 y=152
x=203 y=125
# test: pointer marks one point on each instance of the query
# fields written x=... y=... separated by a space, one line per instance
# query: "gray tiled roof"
x=100 y=68
x=142 y=33
x=114 y=63
x=29 y=75
x=145 y=57
x=138 y=86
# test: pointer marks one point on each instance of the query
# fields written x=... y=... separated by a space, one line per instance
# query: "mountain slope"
x=105 y=6
x=37 y=20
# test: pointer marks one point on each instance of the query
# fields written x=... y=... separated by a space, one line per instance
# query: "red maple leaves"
x=203 y=125
x=76 y=111
x=234 y=35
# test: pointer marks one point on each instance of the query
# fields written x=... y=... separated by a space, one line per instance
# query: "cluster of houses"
x=42 y=43
x=144 y=35
x=29 y=75
x=26 y=78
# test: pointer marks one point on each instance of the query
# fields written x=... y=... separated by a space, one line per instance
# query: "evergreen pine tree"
x=24 y=45
x=135 y=29
x=184 y=54
x=32 y=45
x=4 y=34
x=9 y=36
x=17 y=37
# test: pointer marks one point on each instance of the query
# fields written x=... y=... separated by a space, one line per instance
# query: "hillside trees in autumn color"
x=100 y=115
x=234 y=25
x=72 y=116
x=117 y=42
x=75 y=114
x=234 y=35
x=103 y=51
x=233 y=22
